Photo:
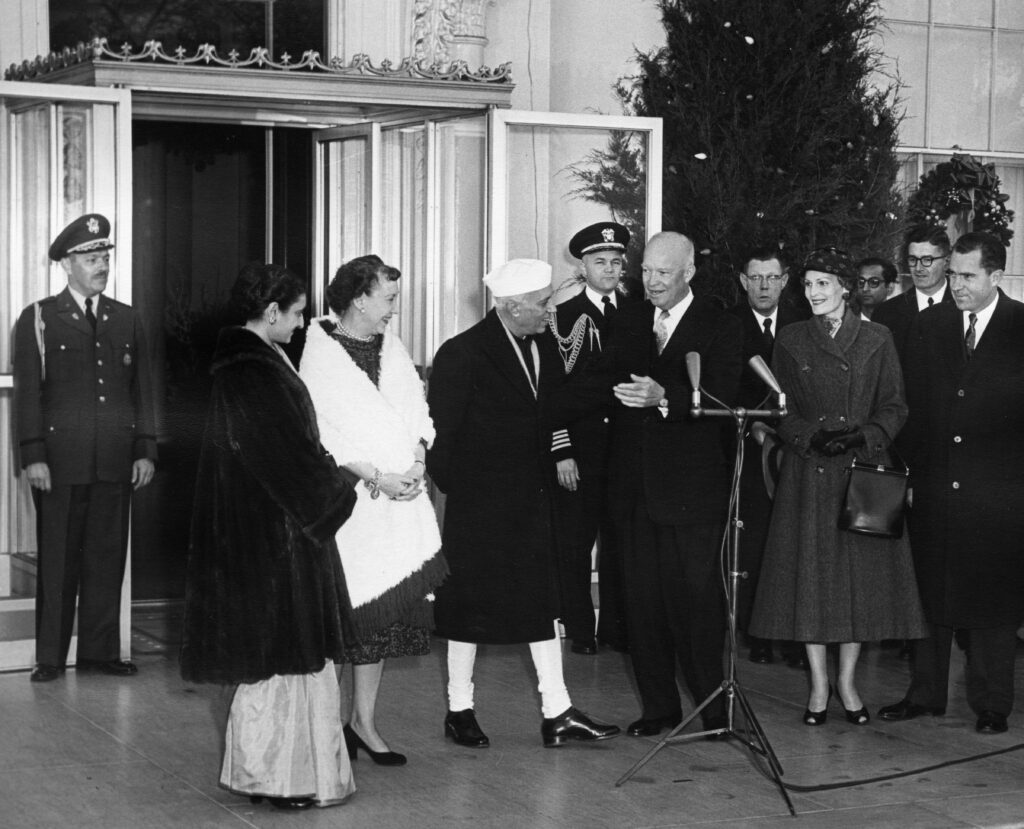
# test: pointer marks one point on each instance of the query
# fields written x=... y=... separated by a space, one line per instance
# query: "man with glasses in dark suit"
x=927 y=249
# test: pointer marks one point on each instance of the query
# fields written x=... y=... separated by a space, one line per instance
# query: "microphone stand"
x=754 y=738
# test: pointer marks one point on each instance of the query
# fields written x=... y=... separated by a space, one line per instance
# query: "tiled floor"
x=96 y=751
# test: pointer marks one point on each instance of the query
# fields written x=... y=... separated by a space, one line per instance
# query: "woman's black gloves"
x=832 y=442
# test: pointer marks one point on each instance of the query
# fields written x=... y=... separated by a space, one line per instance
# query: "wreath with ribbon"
x=968 y=189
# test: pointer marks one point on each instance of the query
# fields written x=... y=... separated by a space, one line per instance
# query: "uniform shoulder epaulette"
x=48 y=300
x=117 y=302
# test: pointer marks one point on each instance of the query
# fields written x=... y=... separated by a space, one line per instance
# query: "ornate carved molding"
x=259 y=58
x=437 y=23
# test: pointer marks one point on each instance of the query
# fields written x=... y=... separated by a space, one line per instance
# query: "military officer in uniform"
x=585 y=324
x=86 y=436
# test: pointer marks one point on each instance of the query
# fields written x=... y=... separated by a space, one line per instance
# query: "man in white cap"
x=492 y=459
x=86 y=434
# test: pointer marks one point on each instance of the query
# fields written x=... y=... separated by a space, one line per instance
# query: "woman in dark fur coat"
x=266 y=605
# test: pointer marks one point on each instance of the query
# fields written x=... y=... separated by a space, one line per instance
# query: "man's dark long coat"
x=265 y=592
x=492 y=459
x=965 y=447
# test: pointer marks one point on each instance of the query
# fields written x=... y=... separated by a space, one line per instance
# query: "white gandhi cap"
x=518 y=276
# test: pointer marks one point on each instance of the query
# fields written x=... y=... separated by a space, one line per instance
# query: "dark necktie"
x=89 y=315
x=526 y=346
x=971 y=336
x=931 y=301
x=769 y=338
x=609 y=310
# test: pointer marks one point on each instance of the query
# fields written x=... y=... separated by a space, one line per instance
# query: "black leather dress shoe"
x=114 y=667
x=573 y=724
x=462 y=727
x=907 y=710
x=648 y=727
x=45 y=673
x=991 y=722
x=353 y=742
x=587 y=647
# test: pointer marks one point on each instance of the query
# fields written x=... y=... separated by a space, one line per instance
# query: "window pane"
x=906 y=46
x=958 y=88
x=963 y=12
x=553 y=174
x=296 y=25
x=1008 y=100
x=1010 y=14
x=905 y=10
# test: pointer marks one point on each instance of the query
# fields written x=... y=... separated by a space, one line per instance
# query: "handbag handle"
x=894 y=453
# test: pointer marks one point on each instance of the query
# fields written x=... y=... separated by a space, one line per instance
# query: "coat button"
x=820 y=469
x=821 y=419
x=842 y=419
x=957 y=439
x=606 y=420
x=959 y=392
x=100 y=381
x=956 y=485
x=103 y=399
x=97 y=344
x=844 y=367
x=99 y=362
x=63 y=347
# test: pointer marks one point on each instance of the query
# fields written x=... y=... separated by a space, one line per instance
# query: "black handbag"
x=876 y=498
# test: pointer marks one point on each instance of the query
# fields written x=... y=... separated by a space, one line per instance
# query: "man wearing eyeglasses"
x=761 y=314
x=927 y=257
x=876 y=282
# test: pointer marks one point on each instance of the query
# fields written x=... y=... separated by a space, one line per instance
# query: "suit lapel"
x=71 y=314
x=501 y=352
x=952 y=340
x=994 y=341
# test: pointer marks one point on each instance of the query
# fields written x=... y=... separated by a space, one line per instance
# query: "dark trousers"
x=989 y=672
x=675 y=610
x=82 y=533
x=582 y=519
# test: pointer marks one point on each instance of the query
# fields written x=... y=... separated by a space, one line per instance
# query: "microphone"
x=761 y=369
x=693 y=371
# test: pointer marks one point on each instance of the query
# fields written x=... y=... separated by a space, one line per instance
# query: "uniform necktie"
x=89 y=315
x=970 y=337
x=769 y=338
x=931 y=301
x=661 y=331
x=608 y=307
x=526 y=346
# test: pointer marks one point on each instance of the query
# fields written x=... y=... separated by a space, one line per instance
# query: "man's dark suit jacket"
x=898 y=314
x=678 y=462
x=964 y=442
x=588 y=434
x=752 y=387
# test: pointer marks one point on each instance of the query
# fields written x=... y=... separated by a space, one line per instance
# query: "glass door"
x=66 y=151
x=414 y=194
x=553 y=173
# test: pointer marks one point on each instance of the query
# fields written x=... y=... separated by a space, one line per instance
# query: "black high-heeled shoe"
x=858 y=717
x=818 y=717
x=382 y=758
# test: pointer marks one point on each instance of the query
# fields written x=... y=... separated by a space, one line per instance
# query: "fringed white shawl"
x=384 y=541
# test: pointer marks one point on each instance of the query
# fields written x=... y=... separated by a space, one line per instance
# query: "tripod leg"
x=765 y=746
x=670 y=737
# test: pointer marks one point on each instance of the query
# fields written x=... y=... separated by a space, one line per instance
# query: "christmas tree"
x=775 y=128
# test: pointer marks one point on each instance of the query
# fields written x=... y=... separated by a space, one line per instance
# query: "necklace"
x=345 y=332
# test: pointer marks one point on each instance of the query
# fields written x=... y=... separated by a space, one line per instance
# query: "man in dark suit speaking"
x=964 y=442
x=86 y=436
x=668 y=480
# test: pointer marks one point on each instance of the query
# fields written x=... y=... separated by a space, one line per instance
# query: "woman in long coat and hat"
x=820 y=584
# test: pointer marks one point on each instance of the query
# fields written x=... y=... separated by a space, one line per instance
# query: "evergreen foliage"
x=774 y=131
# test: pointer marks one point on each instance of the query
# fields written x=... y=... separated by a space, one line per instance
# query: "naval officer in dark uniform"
x=85 y=432
x=585 y=324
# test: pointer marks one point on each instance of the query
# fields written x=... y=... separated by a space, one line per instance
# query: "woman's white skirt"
x=284 y=739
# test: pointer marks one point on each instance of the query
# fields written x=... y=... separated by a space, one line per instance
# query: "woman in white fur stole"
x=373 y=419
